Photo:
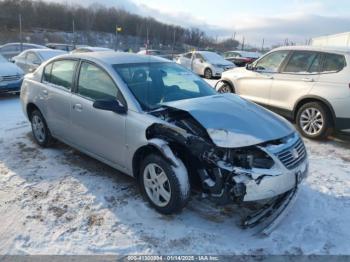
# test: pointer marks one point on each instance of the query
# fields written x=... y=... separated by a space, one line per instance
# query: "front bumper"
x=13 y=86
x=268 y=186
x=219 y=70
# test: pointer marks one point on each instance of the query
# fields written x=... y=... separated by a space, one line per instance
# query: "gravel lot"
x=59 y=201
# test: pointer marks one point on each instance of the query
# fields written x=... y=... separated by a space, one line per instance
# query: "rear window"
x=333 y=63
x=60 y=73
x=303 y=62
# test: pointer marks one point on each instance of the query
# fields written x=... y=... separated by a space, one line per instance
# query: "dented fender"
x=166 y=151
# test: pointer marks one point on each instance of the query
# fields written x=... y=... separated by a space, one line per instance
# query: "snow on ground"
x=59 y=201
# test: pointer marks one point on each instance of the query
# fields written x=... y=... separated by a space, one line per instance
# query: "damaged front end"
x=263 y=178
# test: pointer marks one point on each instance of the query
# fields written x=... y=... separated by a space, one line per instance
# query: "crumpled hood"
x=10 y=69
x=233 y=122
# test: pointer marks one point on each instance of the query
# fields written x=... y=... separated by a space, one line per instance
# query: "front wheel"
x=165 y=187
x=208 y=74
x=224 y=87
x=314 y=121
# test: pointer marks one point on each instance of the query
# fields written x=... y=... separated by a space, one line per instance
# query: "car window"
x=62 y=73
x=303 y=62
x=333 y=63
x=188 y=55
x=271 y=62
x=153 y=84
x=199 y=56
x=232 y=54
x=47 y=73
x=95 y=83
x=32 y=58
x=10 y=48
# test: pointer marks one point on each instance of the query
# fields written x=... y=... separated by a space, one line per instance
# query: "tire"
x=176 y=184
x=314 y=121
x=40 y=130
x=208 y=74
x=225 y=88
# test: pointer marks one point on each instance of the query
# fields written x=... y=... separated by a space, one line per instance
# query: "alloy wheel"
x=156 y=184
x=311 y=121
x=38 y=128
x=225 y=88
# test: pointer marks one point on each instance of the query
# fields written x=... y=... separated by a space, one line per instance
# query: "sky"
x=254 y=20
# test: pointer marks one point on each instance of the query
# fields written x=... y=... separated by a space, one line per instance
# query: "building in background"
x=337 y=40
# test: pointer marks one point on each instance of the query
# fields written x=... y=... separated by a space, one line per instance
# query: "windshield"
x=153 y=84
x=213 y=57
x=3 y=59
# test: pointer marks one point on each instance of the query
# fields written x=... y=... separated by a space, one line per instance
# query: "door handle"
x=78 y=107
x=308 y=79
x=269 y=77
x=45 y=93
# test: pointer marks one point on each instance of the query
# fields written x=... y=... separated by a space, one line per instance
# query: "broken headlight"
x=251 y=158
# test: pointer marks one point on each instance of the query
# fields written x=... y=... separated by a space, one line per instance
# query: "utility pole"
x=73 y=31
x=20 y=31
x=147 y=39
x=172 y=49
x=117 y=30
x=262 y=45
x=243 y=43
x=234 y=36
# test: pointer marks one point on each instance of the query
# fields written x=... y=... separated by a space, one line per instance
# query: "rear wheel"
x=314 y=121
x=167 y=190
x=208 y=74
x=40 y=130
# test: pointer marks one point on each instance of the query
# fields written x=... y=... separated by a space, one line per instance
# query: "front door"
x=256 y=84
x=198 y=64
x=99 y=132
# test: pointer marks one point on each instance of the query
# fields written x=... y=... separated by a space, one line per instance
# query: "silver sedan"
x=157 y=121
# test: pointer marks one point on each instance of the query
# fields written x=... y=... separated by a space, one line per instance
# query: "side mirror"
x=110 y=105
x=37 y=62
x=201 y=61
x=250 y=67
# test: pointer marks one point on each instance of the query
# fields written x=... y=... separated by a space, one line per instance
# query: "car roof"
x=28 y=44
x=94 y=48
x=112 y=57
x=341 y=50
x=58 y=44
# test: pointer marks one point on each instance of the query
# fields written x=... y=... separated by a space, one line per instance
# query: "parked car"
x=63 y=47
x=160 y=123
x=12 y=49
x=153 y=52
x=309 y=85
x=241 y=58
x=87 y=49
x=11 y=76
x=30 y=60
x=205 y=63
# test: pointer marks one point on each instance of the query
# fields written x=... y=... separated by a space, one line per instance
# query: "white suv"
x=310 y=85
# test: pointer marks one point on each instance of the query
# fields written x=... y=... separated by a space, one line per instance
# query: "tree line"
x=57 y=16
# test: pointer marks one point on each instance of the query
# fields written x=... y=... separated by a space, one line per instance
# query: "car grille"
x=294 y=155
x=10 y=78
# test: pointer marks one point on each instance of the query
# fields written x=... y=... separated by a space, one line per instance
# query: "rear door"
x=295 y=79
x=20 y=61
x=97 y=131
x=58 y=80
x=256 y=84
